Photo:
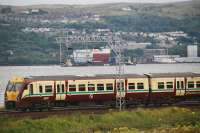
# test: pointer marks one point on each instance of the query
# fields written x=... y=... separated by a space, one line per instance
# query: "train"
x=45 y=92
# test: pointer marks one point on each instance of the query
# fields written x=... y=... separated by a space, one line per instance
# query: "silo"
x=192 y=51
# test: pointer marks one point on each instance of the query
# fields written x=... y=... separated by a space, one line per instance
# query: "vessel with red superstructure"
x=91 y=56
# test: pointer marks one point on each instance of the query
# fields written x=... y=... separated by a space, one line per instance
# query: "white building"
x=165 y=58
x=188 y=60
x=83 y=56
x=192 y=51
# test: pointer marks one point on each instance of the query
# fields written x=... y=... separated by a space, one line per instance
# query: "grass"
x=165 y=120
x=2 y=108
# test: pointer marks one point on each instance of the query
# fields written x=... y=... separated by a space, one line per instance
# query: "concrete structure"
x=188 y=60
x=152 y=52
x=192 y=51
x=165 y=58
x=192 y=55
x=149 y=53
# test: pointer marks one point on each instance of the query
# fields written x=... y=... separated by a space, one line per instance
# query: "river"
x=6 y=72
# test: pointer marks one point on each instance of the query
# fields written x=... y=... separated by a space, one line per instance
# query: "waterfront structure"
x=165 y=58
x=93 y=56
x=149 y=53
x=192 y=55
x=192 y=51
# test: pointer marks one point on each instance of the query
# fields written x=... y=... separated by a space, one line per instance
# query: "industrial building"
x=192 y=51
x=150 y=53
x=192 y=55
x=165 y=58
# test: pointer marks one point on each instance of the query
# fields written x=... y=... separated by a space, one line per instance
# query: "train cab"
x=12 y=91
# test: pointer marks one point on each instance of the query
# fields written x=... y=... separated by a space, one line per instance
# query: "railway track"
x=54 y=111
x=36 y=114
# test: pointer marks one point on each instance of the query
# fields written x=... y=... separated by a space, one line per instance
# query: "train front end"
x=12 y=92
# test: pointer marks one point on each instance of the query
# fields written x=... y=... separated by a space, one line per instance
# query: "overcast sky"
x=72 y=2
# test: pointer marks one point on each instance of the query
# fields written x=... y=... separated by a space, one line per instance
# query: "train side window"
x=131 y=86
x=63 y=88
x=100 y=87
x=140 y=85
x=58 y=88
x=48 y=88
x=72 y=87
x=161 y=85
x=178 y=84
x=198 y=84
x=109 y=87
x=191 y=84
x=170 y=85
x=81 y=87
x=31 y=89
x=182 y=84
x=40 y=89
x=91 y=87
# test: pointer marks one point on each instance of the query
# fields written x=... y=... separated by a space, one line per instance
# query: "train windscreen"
x=14 y=86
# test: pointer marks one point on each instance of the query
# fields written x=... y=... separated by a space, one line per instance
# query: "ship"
x=91 y=56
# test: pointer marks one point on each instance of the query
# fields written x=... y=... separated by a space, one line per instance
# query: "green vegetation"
x=19 y=48
x=2 y=108
x=164 y=119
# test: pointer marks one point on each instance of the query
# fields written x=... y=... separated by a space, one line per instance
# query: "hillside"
x=172 y=10
x=19 y=48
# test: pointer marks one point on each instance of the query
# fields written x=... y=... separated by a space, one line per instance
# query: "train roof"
x=82 y=77
x=111 y=76
x=163 y=75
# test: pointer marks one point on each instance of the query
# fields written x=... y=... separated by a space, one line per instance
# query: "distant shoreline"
x=89 y=2
x=97 y=65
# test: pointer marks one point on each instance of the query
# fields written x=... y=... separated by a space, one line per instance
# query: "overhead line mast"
x=116 y=44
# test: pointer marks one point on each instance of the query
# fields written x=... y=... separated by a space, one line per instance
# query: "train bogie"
x=37 y=94
x=162 y=90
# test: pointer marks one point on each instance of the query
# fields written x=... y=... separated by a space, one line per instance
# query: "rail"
x=37 y=114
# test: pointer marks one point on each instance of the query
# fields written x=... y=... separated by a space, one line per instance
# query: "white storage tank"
x=192 y=51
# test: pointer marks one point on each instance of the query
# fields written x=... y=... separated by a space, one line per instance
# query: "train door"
x=180 y=87
x=60 y=90
x=120 y=89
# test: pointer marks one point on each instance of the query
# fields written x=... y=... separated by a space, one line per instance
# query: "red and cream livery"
x=50 y=91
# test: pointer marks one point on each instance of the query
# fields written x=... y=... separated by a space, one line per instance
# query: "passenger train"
x=39 y=92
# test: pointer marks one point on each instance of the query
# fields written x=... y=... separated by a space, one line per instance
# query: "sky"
x=77 y=2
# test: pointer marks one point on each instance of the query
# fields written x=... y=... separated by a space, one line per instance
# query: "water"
x=6 y=72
